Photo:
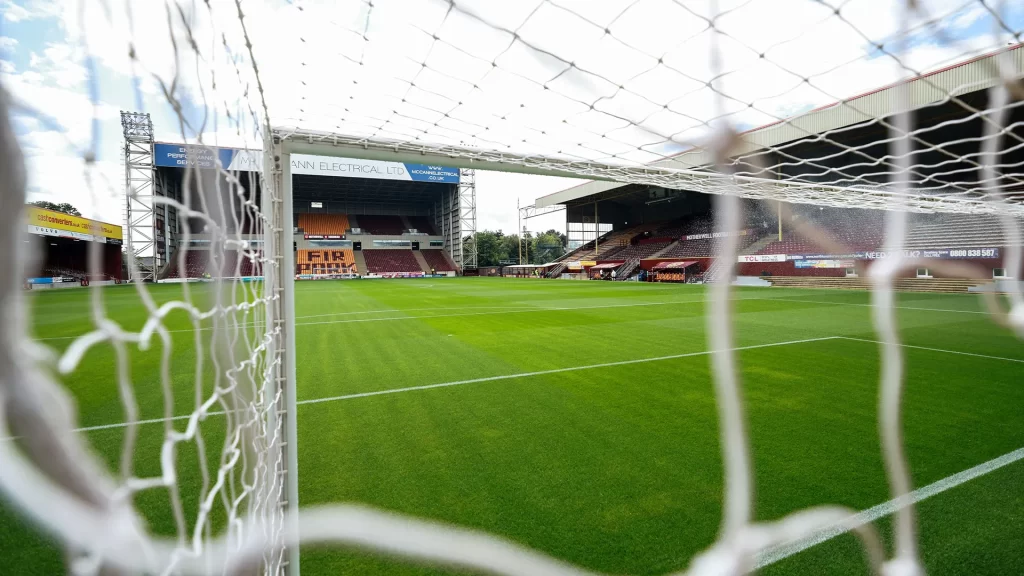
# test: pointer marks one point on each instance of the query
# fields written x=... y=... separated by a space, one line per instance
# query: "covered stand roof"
x=828 y=151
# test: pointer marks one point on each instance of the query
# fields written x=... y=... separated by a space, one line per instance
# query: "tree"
x=547 y=247
x=494 y=247
x=488 y=248
x=63 y=207
x=510 y=248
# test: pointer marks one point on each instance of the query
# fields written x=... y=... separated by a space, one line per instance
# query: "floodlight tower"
x=139 y=222
x=467 y=219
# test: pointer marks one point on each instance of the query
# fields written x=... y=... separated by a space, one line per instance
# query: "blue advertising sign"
x=184 y=156
x=206 y=157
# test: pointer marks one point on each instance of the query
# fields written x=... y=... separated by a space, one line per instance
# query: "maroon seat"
x=195 y=264
x=422 y=224
x=438 y=260
x=381 y=225
x=378 y=261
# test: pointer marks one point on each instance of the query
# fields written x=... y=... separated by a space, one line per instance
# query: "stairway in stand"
x=421 y=261
x=716 y=269
x=761 y=243
x=942 y=285
x=360 y=262
x=626 y=270
x=557 y=270
x=659 y=253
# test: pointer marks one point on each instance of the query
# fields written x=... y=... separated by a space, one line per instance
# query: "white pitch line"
x=957 y=352
x=771 y=555
x=521 y=309
x=536 y=309
x=403 y=310
x=873 y=306
x=884 y=509
x=505 y=310
x=555 y=371
x=472 y=381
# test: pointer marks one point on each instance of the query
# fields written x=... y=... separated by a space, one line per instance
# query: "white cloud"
x=14 y=12
x=28 y=10
x=641 y=83
x=7 y=43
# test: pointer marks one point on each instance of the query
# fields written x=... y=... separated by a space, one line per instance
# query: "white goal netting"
x=908 y=106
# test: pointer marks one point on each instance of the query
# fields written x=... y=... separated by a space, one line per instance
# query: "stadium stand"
x=628 y=268
x=196 y=262
x=421 y=224
x=855 y=230
x=382 y=225
x=334 y=261
x=324 y=224
x=643 y=249
x=438 y=260
x=383 y=261
x=71 y=261
x=955 y=231
x=239 y=263
x=610 y=245
x=703 y=248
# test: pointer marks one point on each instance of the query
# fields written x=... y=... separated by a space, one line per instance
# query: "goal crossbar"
x=297 y=141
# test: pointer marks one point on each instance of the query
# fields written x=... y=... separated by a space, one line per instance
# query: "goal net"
x=909 y=107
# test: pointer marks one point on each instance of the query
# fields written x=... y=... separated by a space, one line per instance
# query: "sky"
x=614 y=81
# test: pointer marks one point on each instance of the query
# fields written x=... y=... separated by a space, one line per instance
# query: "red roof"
x=674 y=265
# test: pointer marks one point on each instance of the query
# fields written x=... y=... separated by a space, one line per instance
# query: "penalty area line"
x=941 y=350
x=557 y=371
x=782 y=551
x=470 y=381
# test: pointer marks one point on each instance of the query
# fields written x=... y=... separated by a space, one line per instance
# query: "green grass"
x=615 y=468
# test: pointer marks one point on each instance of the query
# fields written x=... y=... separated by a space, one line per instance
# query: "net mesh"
x=697 y=96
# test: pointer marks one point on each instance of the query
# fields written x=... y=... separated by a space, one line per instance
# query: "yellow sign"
x=78 y=227
x=587 y=263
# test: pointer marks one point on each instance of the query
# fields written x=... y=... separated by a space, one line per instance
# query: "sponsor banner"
x=188 y=155
x=50 y=223
x=377 y=169
x=824 y=263
x=942 y=253
x=336 y=276
x=194 y=156
x=762 y=258
x=587 y=263
x=324 y=236
x=574 y=265
x=939 y=253
x=711 y=235
x=400 y=274
x=331 y=243
x=184 y=156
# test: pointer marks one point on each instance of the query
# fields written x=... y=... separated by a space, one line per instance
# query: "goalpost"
x=480 y=88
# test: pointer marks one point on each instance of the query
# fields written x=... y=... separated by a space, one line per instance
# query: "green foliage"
x=547 y=247
x=496 y=247
x=63 y=207
x=617 y=468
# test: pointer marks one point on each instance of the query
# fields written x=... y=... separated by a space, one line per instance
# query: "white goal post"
x=476 y=86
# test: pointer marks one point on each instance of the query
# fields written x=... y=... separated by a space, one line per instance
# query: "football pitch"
x=578 y=418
